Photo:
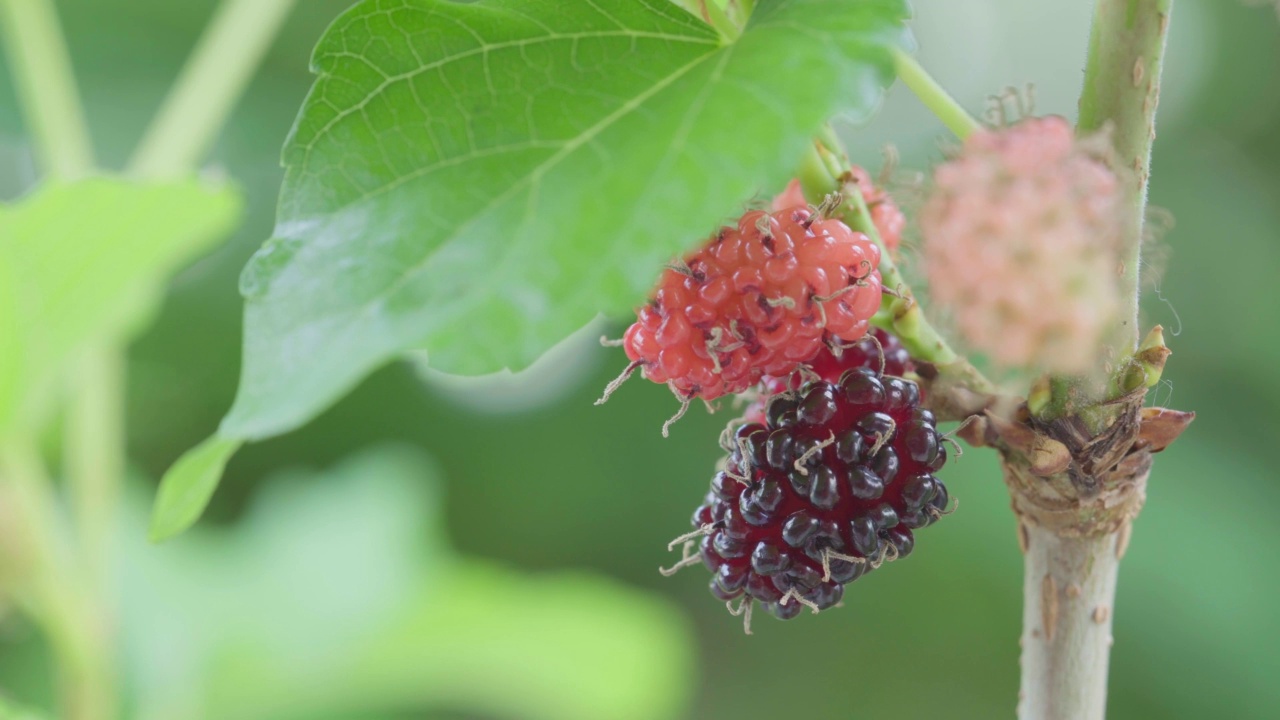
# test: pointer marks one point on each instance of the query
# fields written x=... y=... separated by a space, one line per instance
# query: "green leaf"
x=338 y=594
x=568 y=646
x=187 y=487
x=84 y=263
x=480 y=179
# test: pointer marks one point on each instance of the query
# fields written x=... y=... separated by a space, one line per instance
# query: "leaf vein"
x=309 y=145
x=532 y=180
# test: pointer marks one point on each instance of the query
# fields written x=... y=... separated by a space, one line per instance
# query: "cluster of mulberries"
x=831 y=469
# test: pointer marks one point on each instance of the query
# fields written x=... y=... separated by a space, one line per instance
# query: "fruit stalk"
x=957 y=389
x=932 y=95
x=1072 y=562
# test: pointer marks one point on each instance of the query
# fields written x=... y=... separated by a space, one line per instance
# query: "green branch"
x=73 y=614
x=1065 y=652
x=45 y=583
x=1121 y=91
x=46 y=86
x=75 y=611
x=210 y=85
x=95 y=463
x=957 y=389
x=939 y=101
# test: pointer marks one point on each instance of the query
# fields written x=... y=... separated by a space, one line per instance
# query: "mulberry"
x=832 y=484
x=759 y=299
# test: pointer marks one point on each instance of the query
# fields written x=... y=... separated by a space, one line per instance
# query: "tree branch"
x=1121 y=91
x=1072 y=538
x=1068 y=590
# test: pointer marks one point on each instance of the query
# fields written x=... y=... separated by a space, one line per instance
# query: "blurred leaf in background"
x=85 y=263
x=13 y=712
x=338 y=593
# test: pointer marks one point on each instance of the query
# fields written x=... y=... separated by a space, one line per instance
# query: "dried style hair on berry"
x=1021 y=236
x=832 y=484
x=760 y=298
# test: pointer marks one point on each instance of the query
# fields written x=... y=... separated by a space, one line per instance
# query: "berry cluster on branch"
x=832 y=467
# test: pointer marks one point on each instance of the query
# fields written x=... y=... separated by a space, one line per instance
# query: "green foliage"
x=567 y=646
x=188 y=486
x=481 y=179
x=83 y=263
x=338 y=593
x=13 y=712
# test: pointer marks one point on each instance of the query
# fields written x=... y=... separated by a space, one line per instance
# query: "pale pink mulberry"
x=1021 y=235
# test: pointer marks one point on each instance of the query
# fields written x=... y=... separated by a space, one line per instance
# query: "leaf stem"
x=95 y=439
x=213 y=80
x=46 y=585
x=46 y=86
x=938 y=100
x=728 y=17
x=95 y=443
x=209 y=86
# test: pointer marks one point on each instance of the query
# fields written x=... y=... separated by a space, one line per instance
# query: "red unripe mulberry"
x=758 y=299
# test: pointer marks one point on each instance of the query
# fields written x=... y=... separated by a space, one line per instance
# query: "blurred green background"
x=513 y=530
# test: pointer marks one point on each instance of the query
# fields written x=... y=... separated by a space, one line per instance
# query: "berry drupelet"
x=831 y=485
x=830 y=364
x=878 y=351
